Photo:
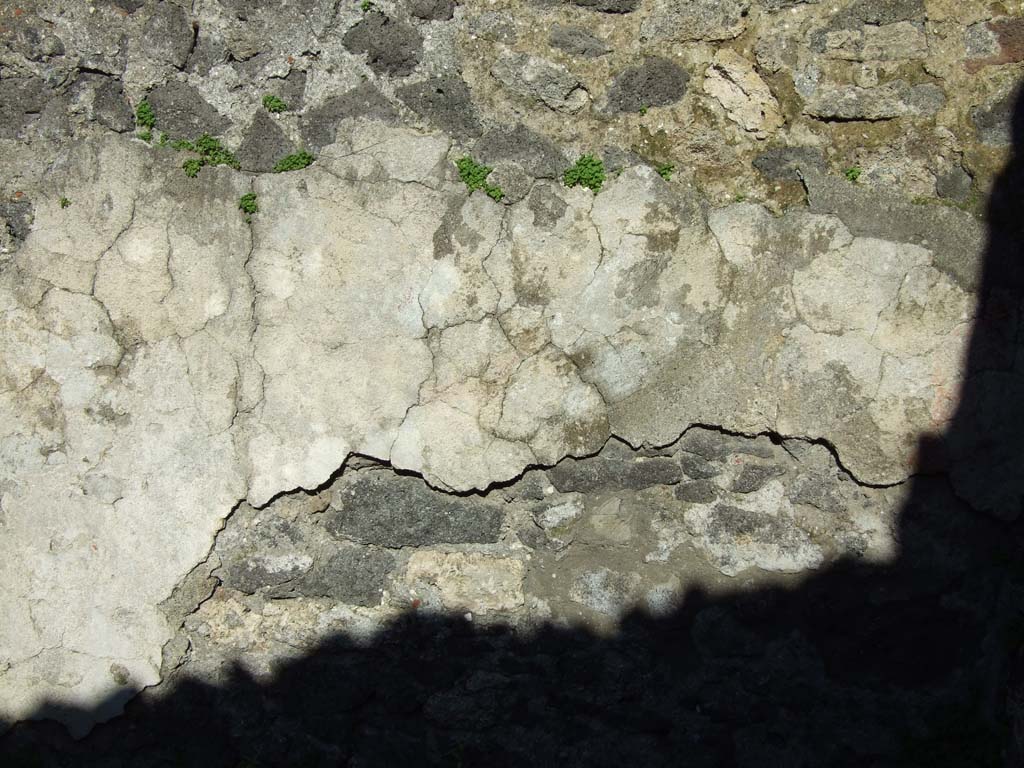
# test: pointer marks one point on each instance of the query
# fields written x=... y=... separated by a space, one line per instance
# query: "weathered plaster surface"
x=174 y=360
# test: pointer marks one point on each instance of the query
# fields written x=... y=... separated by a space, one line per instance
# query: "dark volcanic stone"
x=818 y=491
x=19 y=217
x=992 y=122
x=319 y=125
x=208 y=52
x=291 y=89
x=954 y=184
x=753 y=477
x=168 y=35
x=35 y=42
x=391 y=510
x=886 y=11
x=444 y=101
x=697 y=467
x=535 y=154
x=530 y=486
x=577 y=41
x=608 y=6
x=183 y=113
x=532 y=536
x=432 y=10
x=21 y=102
x=263 y=145
x=618 y=158
x=653 y=83
x=249 y=576
x=284 y=11
x=106 y=101
x=697 y=492
x=602 y=474
x=127 y=5
x=110 y=107
x=109 y=52
x=352 y=574
x=392 y=47
x=730 y=521
x=248 y=554
x=704 y=443
x=782 y=163
x=251 y=68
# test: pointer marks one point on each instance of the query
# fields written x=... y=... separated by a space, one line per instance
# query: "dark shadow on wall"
x=909 y=664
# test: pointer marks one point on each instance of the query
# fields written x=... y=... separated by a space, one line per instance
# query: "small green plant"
x=213 y=152
x=164 y=140
x=366 y=5
x=740 y=197
x=272 y=103
x=296 y=162
x=64 y=202
x=145 y=117
x=852 y=174
x=665 y=170
x=643 y=110
x=146 y=135
x=210 y=151
x=474 y=176
x=587 y=172
x=247 y=203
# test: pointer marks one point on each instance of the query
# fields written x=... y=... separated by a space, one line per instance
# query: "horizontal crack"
x=776 y=437
x=779 y=439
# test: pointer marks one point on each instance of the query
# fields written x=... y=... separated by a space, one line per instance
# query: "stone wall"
x=271 y=375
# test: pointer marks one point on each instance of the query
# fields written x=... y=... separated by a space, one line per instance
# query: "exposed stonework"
x=764 y=505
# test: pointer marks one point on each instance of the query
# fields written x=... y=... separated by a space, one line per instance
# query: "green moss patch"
x=587 y=172
x=295 y=162
x=272 y=103
x=474 y=176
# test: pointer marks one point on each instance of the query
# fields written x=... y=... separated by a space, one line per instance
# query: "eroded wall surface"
x=228 y=435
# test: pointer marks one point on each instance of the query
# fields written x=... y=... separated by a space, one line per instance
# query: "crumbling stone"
x=168 y=35
x=183 y=113
x=653 y=83
x=445 y=102
x=396 y=511
x=264 y=144
x=392 y=46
